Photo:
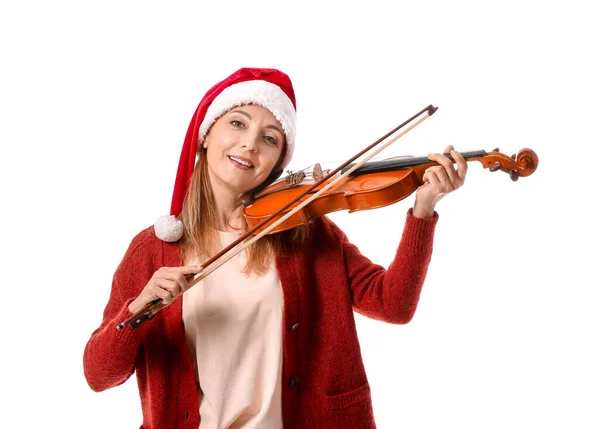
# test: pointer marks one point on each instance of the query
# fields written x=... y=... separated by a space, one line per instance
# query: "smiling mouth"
x=241 y=162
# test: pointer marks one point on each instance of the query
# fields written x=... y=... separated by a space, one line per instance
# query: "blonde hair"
x=199 y=219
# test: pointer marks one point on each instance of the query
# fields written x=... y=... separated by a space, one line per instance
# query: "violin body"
x=365 y=192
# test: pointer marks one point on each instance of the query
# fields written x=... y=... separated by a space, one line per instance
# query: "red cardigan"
x=324 y=380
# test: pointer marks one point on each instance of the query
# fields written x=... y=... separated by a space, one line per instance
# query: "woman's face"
x=242 y=147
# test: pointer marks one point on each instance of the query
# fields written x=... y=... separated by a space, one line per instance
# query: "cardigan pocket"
x=352 y=397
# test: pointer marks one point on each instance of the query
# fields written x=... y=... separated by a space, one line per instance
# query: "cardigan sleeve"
x=109 y=356
x=392 y=295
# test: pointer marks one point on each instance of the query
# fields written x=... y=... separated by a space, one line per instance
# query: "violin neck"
x=396 y=164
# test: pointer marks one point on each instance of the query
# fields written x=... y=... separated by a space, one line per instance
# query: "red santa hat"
x=268 y=88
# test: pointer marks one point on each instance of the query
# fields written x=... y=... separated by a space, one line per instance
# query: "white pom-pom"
x=168 y=228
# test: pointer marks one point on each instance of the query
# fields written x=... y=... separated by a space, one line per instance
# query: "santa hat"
x=268 y=88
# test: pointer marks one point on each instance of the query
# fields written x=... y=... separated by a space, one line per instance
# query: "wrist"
x=425 y=211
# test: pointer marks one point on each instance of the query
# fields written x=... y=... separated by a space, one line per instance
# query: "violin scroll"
x=520 y=165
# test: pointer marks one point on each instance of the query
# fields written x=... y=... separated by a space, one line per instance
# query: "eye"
x=237 y=124
x=271 y=140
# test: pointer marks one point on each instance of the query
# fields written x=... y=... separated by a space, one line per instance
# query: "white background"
x=95 y=100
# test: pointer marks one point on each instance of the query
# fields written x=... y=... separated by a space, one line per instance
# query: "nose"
x=250 y=141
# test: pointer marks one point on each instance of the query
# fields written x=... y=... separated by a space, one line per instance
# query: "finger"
x=163 y=294
x=433 y=156
x=189 y=269
x=448 y=167
x=174 y=287
x=426 y=176
x=457 y=177
x=441 y=177
x=461 y=164
x=431 y=177
x=180 y=274
x=440 y=159
x=183 y=282
x=437 y=175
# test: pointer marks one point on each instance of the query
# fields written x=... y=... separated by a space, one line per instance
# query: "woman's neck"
x=228 y=209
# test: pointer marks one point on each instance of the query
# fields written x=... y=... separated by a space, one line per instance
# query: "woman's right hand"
x=167 y=283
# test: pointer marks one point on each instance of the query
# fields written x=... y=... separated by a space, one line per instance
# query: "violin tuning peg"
x=514 y=175
x=514 y=156
x=495 y=166
x=496 y=150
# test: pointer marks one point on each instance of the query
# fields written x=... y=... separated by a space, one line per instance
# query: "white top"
x=233 y=328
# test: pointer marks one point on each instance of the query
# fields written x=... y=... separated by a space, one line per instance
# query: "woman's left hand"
x=439 y=181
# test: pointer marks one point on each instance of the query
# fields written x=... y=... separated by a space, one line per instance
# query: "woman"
x=268 y=340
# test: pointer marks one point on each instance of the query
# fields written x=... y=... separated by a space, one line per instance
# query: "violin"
x=353 y=186
x=372 y=185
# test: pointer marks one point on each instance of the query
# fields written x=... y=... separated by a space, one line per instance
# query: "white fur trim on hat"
x=261 y=93
x=168 y=228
